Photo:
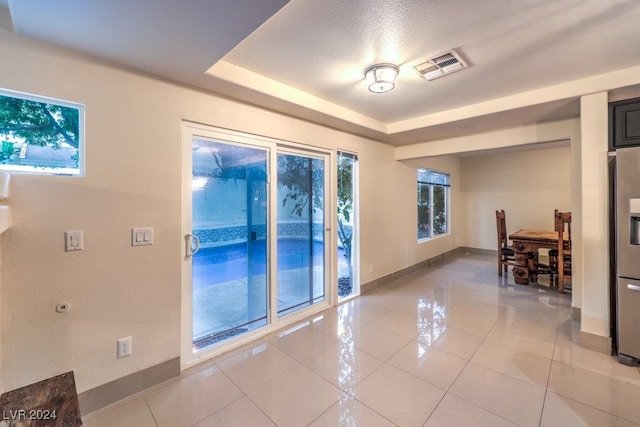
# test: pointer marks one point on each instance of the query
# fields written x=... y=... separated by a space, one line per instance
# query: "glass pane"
x=346 y=233
x=426 y=176
x=300 y=232
x=40 y=136
x=424 y=220
x=230 y=220
x=439 y=210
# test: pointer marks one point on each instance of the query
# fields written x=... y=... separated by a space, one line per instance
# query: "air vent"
x=441 y=65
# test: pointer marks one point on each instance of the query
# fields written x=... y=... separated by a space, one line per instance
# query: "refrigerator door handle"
x=633 y=287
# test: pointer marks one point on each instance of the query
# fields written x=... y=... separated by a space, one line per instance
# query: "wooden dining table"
x=525 y=242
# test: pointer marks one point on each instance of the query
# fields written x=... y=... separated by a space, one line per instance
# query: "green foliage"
x=6 y=151
x=439 y=211
x=424 y=210
x=428 y=206
x=345 y=188
x=39 y=123
x=304 y=178
x=345 y=203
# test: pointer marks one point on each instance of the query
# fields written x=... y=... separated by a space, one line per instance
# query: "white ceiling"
x=306 y=58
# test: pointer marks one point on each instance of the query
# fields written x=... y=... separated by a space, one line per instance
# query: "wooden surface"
x=542 y=236
x=525 y=242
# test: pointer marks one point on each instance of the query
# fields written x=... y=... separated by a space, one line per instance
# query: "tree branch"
x=55 y=124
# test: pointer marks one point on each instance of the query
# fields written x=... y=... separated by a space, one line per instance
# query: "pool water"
x=225 y=263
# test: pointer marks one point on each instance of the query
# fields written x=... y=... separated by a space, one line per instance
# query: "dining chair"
x=563 y=263
x=506 y=255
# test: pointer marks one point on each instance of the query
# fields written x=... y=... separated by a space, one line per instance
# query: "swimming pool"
x=222 y=264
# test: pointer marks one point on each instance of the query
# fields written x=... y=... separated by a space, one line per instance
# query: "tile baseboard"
x=106 y=394
x=595 y=342
x=380 y=282
x=576 y=313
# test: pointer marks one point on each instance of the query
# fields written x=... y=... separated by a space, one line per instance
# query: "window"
x=433 y=203
x=347 y=204
x=40 y=135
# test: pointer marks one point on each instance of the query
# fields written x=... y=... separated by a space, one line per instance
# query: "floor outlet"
x=124 y=347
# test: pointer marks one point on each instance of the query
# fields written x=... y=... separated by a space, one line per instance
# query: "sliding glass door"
x=229 y=205
x=257 y=237
x=301 y=231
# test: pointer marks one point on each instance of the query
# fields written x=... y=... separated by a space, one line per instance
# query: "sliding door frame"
x=274 y=146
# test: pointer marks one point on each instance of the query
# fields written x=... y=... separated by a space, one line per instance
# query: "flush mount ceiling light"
x=381 y=77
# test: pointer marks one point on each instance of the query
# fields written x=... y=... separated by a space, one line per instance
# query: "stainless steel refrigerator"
x=628 y=254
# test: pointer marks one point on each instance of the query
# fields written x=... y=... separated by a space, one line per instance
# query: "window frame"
x=78 y=171
x=431 y=184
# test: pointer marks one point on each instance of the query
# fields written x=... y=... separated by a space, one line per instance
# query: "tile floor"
x=452 y=345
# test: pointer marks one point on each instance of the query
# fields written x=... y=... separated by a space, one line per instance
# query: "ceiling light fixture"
x=381 y=77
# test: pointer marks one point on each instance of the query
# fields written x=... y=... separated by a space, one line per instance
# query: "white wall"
x=528 y=185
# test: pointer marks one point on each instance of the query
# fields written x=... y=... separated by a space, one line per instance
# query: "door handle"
x=633 y=287
x=192 y=244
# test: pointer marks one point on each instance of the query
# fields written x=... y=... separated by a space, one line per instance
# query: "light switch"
x=142 y=236
x=73 y=241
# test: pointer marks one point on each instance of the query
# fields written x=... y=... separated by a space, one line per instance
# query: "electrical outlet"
x=124 y=347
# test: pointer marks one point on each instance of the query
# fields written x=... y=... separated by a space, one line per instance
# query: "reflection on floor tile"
x=451 y=345
x=350 y=412
x=242 y=412
x=428 y=363
x=519 y=364
x=503 y=395
x=453 y=411
x=134 y=412
x=404 y=399
x=562 y=411
x=609 y=394
x=296 y=397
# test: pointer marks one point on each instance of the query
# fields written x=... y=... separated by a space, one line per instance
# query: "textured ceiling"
x=307 y=57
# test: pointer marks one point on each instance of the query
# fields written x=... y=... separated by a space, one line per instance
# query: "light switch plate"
x=73 y=241
x=142 y=236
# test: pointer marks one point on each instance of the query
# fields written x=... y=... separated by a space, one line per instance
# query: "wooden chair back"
x=506 y=255
x=563 y=225
x=501 y=225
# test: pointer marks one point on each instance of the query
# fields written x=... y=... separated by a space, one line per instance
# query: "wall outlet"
x=124 y=347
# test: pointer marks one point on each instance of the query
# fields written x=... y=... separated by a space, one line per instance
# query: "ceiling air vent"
x=441 y=65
